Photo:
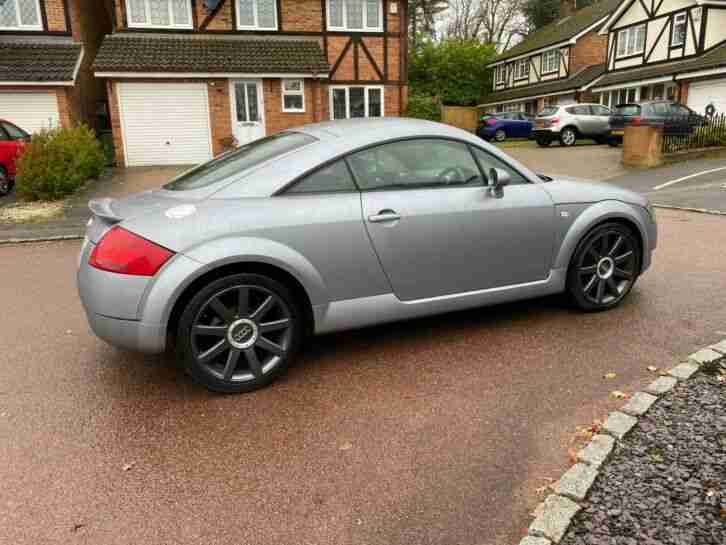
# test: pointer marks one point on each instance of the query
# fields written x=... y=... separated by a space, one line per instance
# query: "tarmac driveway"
x=434 y=431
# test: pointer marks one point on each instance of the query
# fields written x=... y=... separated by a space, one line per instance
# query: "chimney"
x=567 y=8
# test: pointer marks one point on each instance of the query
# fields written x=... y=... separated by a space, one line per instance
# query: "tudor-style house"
x=46 y=51
x=553 y=65
x=666 y=49
x=188 y=78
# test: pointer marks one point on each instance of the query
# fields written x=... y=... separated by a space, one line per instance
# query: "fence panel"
x=683 y=133
x=460 y=116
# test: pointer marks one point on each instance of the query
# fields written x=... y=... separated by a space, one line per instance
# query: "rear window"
x=236 y=161
x=628 y=109
x=548 y=111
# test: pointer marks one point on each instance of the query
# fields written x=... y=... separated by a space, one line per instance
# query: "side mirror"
x=498 y=178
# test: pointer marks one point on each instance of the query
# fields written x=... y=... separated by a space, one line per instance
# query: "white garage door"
x=165 y=123
x=704 y=93
x=30 y=111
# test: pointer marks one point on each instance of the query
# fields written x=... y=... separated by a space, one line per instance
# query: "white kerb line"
x=661 y=186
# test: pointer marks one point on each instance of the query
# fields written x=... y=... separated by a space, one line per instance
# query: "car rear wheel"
x=568 y=137
x=6 y=184
x=604 y=268
x=500 y=135
x=239 y=333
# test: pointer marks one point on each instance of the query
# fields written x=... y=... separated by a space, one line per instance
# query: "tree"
x=422 y=18
x=452 y=70
x=491 y=21
x=540 y=13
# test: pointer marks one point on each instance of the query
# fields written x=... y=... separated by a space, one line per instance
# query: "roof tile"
x=38 y=62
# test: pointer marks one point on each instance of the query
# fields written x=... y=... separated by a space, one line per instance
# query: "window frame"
x=300 y=93
x=555 y=53
x=501 y=74
x=347 y=88
x=20 y=25
x=255 y=8
x=344 y=27
x=287 y=190
x=623 y=37
x=147 y=13
x=684 y=15
x=521 y=69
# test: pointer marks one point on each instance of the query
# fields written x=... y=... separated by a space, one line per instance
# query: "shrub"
x=57 y=162
x=423 y=107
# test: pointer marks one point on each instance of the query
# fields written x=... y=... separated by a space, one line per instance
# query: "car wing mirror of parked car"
x=498 y=178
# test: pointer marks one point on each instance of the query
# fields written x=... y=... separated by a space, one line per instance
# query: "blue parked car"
x=500 y=126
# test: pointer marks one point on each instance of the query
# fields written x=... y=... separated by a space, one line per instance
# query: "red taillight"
x=491 y=121
x=554 y=120
x=635 y=120
x=123 y=252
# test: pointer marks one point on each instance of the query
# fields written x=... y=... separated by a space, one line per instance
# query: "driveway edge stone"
x=555 y=514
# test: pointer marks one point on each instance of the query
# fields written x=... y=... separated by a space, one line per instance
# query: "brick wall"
x=118 y=142
x=589 y=50
x=223 y=20
x=301 y=15
x=220 y=114
x=56 y=15
x=683 y=92
x=276 y=120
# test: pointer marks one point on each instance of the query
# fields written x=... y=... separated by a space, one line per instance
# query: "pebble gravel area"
x=665 y=483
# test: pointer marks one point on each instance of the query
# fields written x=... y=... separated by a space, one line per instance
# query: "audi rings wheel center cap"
x=243 y=334
x=605 y=268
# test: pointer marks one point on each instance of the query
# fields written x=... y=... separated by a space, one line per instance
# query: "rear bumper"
x=128 y=334
x=546 y=133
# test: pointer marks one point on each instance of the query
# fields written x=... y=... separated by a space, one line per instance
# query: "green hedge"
x=423 y=107
x=58 y=162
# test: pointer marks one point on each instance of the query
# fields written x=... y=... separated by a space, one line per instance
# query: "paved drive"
x=436 y=431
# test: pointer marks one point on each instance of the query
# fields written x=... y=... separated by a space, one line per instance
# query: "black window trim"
x=5 y=131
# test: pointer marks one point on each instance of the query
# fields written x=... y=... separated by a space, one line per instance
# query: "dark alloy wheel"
x=239 y=333
x=604 y=268
x=6 y=185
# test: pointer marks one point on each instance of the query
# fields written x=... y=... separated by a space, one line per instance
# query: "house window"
x=356 y=15
x=550 y=61
x=257 y=14
x=678 y=35
x=501 y=72
x=356 y=101
x=293 y=95
x=159 y=13
x=631 y=41
x=20 y=15
x=521 y=69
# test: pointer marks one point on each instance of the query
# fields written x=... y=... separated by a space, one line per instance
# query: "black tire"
x=500 y=135
x=543 y=142
x=6 y=184
x=255 y=366
x=613 y=143
x=600 y=140
x=588 y=289
x=568 y=137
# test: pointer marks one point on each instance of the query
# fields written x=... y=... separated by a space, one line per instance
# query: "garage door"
x=30 y=111
x=165 y=123
x=704 y=93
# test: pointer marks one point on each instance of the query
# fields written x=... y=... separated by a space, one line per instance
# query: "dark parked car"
x=500 y=126
x=676 y=118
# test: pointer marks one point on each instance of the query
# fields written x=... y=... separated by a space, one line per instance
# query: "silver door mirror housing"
x=498 y=178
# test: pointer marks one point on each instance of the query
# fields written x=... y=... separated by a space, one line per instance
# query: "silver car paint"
x=323 y=241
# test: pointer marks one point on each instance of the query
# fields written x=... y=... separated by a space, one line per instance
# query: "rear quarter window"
x=546 y=112
x=628 y=109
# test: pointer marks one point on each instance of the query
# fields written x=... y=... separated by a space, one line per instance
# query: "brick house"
x=555 y=64
x=187 y=78
x=46 y=51
x=667 y=49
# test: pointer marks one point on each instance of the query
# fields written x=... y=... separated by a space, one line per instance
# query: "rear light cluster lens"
x=491 y=121
x=636 y=120
x=123 y=252
x=555 y=121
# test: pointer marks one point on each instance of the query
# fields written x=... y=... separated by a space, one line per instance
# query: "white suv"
x=568 y=123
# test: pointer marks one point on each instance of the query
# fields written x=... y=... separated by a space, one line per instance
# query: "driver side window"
x=415 y=164
x=488 y=161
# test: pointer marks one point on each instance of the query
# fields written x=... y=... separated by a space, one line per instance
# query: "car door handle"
x=384 y=215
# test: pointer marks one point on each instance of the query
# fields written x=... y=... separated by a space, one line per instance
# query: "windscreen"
x=241 y=159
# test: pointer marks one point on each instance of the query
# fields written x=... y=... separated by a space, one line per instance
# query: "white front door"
x=248 y=119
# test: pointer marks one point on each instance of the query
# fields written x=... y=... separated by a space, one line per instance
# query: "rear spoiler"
x=102 y=208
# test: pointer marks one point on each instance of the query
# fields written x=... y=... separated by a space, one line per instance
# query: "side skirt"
x=379 y=309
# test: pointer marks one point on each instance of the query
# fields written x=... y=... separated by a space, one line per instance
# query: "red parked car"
x=12 y=141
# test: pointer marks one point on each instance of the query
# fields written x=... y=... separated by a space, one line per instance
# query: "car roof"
x=363 y=129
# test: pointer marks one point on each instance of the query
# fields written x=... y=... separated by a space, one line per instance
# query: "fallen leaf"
x=129 y=466
x=617 y=394
x=652 y=368
x=610 y=376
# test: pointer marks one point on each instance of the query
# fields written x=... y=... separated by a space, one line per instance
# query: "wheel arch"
x=595 y=216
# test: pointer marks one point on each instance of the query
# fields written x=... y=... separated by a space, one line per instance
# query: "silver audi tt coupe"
x=342 y=225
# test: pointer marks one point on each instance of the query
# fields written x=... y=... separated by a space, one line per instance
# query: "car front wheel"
x=6 y=184
x=239 y=333
x=604 y=268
